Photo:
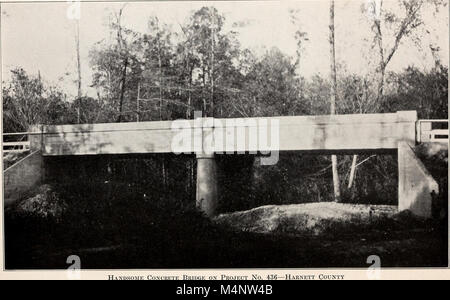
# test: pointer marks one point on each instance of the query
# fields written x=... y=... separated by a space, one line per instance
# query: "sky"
x=40 y=37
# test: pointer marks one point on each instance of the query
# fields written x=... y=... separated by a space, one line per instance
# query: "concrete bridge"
x=207 y=137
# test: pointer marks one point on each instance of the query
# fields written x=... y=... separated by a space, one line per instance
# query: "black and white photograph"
x=231 y=135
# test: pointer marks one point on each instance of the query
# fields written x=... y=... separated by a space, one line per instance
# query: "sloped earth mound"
x=315 y=219
x=44 y=202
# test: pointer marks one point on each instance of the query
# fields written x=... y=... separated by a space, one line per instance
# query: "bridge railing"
x=432 y=131
x=15 y=142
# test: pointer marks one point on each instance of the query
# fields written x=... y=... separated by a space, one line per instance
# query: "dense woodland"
x=165 y=74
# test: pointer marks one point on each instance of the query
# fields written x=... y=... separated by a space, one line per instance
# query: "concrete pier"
x=207 y=193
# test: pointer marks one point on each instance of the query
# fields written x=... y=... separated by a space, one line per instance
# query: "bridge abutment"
x=26 y=174
x=416 y=187
x=23 y=176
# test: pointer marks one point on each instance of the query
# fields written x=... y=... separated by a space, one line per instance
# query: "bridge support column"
x=207 y=196
x=415 y=184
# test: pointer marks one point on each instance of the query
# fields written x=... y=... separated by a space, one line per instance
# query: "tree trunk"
x=334 y=161
x=137 y=102
x=203 y=92
x=212 y=66
x=380 y=92
x=160 y=88
x=160 y=74
x=122 y=90
x=79 y=73
x=189 y=83
x=352 y=171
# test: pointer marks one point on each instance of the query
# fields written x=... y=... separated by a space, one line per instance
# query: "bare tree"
x=404 y=27
x=334 y=162
x=301 y=37
x=77 y=40
x=123 y=50
x=211 y=75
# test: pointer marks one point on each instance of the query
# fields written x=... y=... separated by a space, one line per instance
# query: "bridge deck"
x=346 y=133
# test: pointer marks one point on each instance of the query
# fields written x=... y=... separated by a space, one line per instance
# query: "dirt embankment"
x=43 y=202
x=315 y=218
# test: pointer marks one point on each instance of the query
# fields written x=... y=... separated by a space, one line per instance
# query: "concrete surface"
x=415 y=183
x=321 y=134
x=207 y=194
x=22 y=177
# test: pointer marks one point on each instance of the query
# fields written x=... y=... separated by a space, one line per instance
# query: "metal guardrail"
x=16 y=146
x=427 y=131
